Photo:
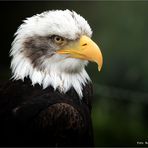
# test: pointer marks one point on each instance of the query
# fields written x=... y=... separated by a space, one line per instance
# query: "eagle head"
x=52 y=49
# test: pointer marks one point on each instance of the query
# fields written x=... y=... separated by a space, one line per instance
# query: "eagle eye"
x=58 y=39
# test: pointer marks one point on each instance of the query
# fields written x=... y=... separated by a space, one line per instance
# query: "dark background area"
x=120 y=106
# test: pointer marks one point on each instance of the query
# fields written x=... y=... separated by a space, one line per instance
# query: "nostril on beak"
x=84 y=44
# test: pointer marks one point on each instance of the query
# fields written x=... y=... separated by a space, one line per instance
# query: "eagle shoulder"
x=70 y=117
x=67 y=125
x=39 y=117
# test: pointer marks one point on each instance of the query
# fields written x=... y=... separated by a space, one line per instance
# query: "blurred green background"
x=120 y=105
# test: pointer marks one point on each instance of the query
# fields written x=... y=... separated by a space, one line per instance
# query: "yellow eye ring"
x=58 y=39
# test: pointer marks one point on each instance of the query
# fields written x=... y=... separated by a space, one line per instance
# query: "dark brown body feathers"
x=31 y=116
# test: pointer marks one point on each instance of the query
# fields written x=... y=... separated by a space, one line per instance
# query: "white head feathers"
x=48 y=68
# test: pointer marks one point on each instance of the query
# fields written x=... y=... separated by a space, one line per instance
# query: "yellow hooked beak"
x=84 y=49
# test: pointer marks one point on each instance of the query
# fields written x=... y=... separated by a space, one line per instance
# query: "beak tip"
x=99 y=69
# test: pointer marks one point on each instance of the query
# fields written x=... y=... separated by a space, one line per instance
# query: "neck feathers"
x=62 y=81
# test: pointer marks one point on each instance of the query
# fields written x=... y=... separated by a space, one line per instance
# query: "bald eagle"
x=47 y=102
